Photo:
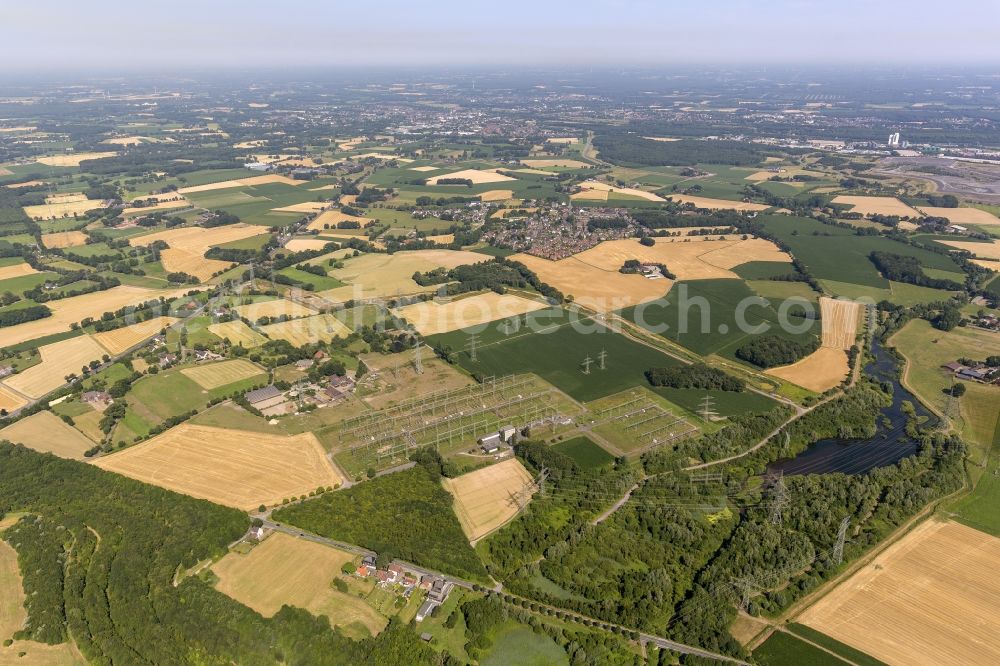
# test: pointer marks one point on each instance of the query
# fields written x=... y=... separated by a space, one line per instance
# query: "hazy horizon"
x=112 y=35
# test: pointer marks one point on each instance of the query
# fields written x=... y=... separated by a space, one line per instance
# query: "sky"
x=69 y=35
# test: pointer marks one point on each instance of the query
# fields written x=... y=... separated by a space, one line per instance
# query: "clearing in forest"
x=489 y=497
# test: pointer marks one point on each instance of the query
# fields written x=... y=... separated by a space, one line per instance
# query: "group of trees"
x=696 y=375
x=768 y=351
x=904 y=268
x=99 y=553
x=22 y=315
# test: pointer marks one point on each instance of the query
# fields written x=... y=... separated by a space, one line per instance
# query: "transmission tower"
x=418 y=366
x=746 y=586
x=586 y=365
x=707 y=409
x=838 y=548
x=601 y=358
x=542 y=475
x=779 y=498
x=471 y=344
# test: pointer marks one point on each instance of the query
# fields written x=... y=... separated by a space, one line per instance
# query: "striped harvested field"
x=215 y=375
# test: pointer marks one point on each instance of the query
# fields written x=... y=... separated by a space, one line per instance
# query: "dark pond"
x=856 y=456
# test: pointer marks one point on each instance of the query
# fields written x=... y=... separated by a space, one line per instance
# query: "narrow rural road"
x=617 y=505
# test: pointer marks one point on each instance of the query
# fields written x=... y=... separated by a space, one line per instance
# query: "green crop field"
x=710 y=325
x=557 y=356
x=763 y=270
x=584 y=452
x=724 y=403
x=833 y=253
x=832 y=644
x=518 y=644
x=783 y=649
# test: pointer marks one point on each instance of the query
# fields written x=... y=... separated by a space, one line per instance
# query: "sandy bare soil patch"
x=329 y=219
x=124 y=141
x=931 y=598
x=496 y=195
x=961 y=216
x=66 y=197
x=302 y=244
x=72 y=160
x=274 y=308
x=382 y=275
x=9 y=400
x=242 y=182
x=562 y=140
x=475 y=175
x=16 y=270
x=298 y=332
x=46 y=432
x=238 y=333
x=121 y=339
x=197 y=240
x=840 y=322
x=758 y=176
x=876 y=205
x=985 y=250
x=66 y=311
x=283 y=571
x=424 y=168
x=716 y=204
x=442 y=239
x=214 y=375
x=307 y=207
x=483 y=499
x=58 y=360
x=28 y=183
x=612 y=189
x=555 y=162
x=175 y=260
x=431 y=317
x=62 y=239
x=234 y=468
x=824 y=369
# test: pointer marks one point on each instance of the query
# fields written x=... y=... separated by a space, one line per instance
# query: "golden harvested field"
x=483 y=498
x=383 y=275
x=590 y=195
x=176 y=260
x=562 y=140
x=300 y=244
x=275 y=308
x=213 y=375
x=758 y=176
x=307 y=207
x=961 y=216
x=236 y=468
x=716 y=204
x=431 y=317
x=443 y=239
x=72 y=160
x=40 y=654
x=124 y=141
x=238 y=333
x=67 y=197
x=321 y=327
x=16 y=270
x=840 y=322
x=61 y=239
x=612 y=189
x=424 y=169
x=160 y=205
x=475 y=175
x=283 y=570
x=381 y=156
x=12 y=613
x=592 y=287
x=991 y=264
x=983 y=250
x=46 y=432
x=9 y=400
x=241 y=182
x=556 y=162
x=29 y=183
x=496 y=195
x=329 y=219
x=931 y=598
x=66 y=311
x=823 y=369
x=876 y=205
x=198 y=240
x=122 y=339
x=58 y=360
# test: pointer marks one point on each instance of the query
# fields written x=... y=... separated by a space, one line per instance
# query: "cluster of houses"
x=272 y=401
x=974 y=372
x=990 y=322
x=396 y=574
